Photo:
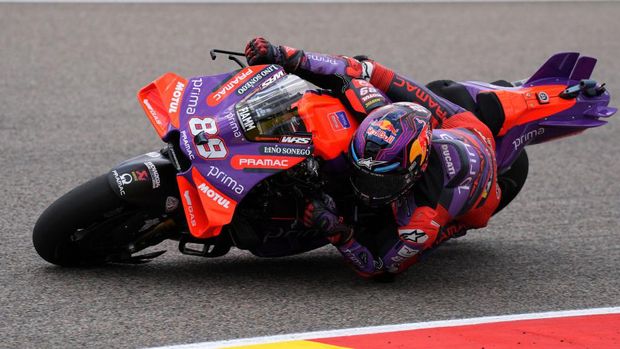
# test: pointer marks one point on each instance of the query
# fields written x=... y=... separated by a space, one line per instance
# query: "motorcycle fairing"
x=535 y=112
x=331 y=139
x=161 y=100
x=225 y=165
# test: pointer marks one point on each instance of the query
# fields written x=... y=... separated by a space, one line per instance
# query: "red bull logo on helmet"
x=384 y=130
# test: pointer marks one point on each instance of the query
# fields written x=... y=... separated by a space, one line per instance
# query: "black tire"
x=89 y=205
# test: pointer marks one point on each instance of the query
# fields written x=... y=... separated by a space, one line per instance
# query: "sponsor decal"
x=383 y=130
x=339 y=120
x=190 y=208
x=445 y=151
x=225 y=179
x=543 y=97
x=154 y=174
x=369 y=95
x=245 y=119
x=119 y=183
x=422 y=96
x=187 y=146
x=256 y=79
x=153 y=112
x=264 y=162
x=217 y=96
x=138 y=176
x=414 y=235
x=350 y=255
x=234 y=126
x=272 y=79
x=527 y=137
x=214 y=195
x=367 y=68
x=284 y=150
x=404 y=253
x=194 y=97
x=295 y=140
x=176 y=96
x=369 y=163
x=172 y=203
x=321 y=58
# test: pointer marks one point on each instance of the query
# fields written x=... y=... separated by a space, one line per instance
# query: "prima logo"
x=228 y=181
x=527 y=137
x=194 y=96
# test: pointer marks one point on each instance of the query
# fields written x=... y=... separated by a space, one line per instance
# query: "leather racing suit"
x=458 y=190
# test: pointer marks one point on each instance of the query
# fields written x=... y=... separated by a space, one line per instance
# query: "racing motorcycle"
x=244 y=150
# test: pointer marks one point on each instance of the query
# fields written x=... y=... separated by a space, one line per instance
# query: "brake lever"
x=231 y=55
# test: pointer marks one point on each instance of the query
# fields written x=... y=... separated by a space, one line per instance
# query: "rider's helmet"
x=389 y=152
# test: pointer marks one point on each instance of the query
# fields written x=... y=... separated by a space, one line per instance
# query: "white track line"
x=393 y=328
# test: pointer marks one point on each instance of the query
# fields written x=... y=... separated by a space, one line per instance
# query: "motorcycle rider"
x=431 y=160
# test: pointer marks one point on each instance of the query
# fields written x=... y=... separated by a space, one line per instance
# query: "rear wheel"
x=90 y=225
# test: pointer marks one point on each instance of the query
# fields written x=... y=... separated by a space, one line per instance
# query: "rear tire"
x=89 y=205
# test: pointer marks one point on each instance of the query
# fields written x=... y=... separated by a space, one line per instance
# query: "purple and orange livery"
x=557 y=101
x=217 y=134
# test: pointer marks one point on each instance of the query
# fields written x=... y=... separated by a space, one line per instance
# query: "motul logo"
x=211 y=194
x=176 y=96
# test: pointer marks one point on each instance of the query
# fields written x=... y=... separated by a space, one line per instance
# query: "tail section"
x=583 y=69
x=560 y=66
x=559 y=100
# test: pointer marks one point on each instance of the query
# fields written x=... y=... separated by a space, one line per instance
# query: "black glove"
x=261 y=51
x=322 y=213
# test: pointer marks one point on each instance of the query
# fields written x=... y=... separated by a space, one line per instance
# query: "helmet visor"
x=377 y=189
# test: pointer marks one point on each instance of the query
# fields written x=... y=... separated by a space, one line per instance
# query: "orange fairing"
x=196 y=217
x=161 y=101
x=331 y=125
x=219 y=208
x=525 y=105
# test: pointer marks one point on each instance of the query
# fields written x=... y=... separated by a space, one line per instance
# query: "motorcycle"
x=244 y=150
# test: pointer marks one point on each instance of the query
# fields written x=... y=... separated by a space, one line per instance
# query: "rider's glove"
x=321 y=213
x=261 y=51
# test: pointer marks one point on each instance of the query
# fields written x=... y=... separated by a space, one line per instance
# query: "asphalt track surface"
x=69 y=75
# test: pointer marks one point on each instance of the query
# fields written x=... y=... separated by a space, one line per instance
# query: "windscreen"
x=269 y=112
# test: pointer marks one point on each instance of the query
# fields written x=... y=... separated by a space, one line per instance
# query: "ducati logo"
x=369 y=163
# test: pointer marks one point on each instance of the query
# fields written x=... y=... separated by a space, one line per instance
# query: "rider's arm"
x=331 y=71
x=419 y=220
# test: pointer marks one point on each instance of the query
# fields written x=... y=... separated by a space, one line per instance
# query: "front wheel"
x=90 y=225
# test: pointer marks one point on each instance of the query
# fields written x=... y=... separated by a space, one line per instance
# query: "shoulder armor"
x=453 y=158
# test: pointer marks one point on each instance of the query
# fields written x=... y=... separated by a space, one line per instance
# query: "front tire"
x=73 y=230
